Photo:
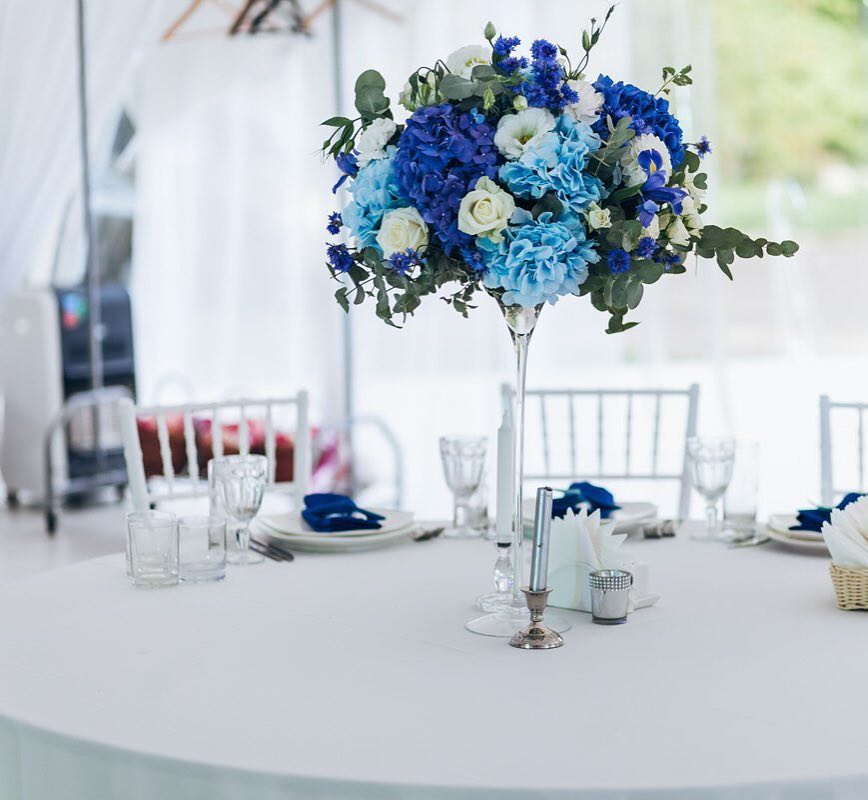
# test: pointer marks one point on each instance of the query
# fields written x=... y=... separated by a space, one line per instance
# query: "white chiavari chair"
x=847 y=419
x=580 y=440
x=190 y=483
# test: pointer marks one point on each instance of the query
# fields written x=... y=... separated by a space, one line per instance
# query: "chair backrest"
x=575 y=462
x=190 y=483
x=854 y=414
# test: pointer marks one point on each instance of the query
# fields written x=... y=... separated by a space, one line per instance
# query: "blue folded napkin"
x=812 y=519
x=331 y=513
x=595 y=498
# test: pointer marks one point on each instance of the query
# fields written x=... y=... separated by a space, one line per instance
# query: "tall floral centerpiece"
x=517 y=176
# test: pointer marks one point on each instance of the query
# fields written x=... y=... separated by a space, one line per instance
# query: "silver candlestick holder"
x=536 y=635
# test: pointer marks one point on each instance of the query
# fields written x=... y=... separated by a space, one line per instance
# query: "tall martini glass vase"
x=507 y=620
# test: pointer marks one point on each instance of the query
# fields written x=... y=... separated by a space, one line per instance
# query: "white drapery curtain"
x=40 y=166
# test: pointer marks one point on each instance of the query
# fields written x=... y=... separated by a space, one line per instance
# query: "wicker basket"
x=851 y=586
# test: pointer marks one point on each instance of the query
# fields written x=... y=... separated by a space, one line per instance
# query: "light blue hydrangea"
x=538 y=260
x=557 y=164
x=375 y=191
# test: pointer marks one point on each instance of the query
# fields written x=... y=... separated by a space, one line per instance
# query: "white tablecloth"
x=351 y=676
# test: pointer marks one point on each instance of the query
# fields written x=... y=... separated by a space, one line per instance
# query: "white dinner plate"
x=778 y=529
x=627 y=518
x=332 y=542
x=291 y=524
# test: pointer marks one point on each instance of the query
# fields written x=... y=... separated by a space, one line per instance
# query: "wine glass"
x=242 y=480
x=463 y=462
x=710 y=465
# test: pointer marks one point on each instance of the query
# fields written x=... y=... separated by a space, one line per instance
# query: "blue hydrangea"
x=375 y=191
x=618 y=261
x=650 y=114
x=558 y=164
x=441 y=154
x=538 y=260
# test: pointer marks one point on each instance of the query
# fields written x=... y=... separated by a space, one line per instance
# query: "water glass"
x=710 y=463
x=740 y=500
x=202 y=543
x=463 y=464
x=152 y=545
x=242 y=481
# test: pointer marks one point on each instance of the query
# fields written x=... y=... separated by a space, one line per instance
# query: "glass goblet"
x=242 y=481
x=463 y=464
x=710 y=463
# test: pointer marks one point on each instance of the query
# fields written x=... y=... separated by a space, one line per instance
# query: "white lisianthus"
x=486 y=210
x=677 y=232
x=371 y=142
x=653 y=229
x=587 y=109
x=598 y=217
x=464 y=59
x=690 y=215
x=402 y=229
x=633 y=173
x=522 y=131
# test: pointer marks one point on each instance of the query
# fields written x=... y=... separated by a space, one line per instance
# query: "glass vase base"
x=244 y=558
x=494 y=601
x=461 y=533
x=509 y=621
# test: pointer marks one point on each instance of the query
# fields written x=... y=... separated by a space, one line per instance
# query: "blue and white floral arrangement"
x=520 y=177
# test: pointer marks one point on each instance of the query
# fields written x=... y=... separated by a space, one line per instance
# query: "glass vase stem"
x=520 y=342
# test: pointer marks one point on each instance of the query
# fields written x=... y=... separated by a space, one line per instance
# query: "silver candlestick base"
x=536 y=636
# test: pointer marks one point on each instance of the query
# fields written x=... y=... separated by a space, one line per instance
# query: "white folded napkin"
x=581 y=543
x=846 y=535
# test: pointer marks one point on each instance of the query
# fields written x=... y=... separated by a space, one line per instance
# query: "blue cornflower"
x=442 y=153
x=646 y=247
x=335 y=223
x=618 y=261
x=703 y=147
x=668 y=259
x=339 y=257
x=503 y=46
x=473 y=257
x=403 y=262
x=349 y=165
x=649 y=114
x=543 y=50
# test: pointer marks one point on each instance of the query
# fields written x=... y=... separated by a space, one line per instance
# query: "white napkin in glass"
x=846 y=535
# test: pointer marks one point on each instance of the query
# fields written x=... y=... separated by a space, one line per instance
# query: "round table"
x=351 y=676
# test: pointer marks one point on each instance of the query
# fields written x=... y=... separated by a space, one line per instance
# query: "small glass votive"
x=202 y=553
x=152 y=546
x=610 y=595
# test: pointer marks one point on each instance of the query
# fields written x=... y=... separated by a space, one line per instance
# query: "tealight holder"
x=536 y=635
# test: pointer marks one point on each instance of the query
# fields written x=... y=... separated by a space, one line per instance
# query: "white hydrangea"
x=633 y=173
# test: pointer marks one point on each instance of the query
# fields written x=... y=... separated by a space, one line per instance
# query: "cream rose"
x=691 y=216
x=677 y=232
x=371 y=142
x=519 y=132
x=486 y=210
x=598 y=217
x=402 y=229
x=464 y=59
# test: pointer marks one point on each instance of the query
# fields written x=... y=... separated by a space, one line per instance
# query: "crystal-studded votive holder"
x=610 y=596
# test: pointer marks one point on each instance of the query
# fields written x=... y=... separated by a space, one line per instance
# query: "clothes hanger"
x=187 y=13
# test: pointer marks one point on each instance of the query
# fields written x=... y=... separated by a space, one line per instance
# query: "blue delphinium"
x=504 y=45
x=558 y=164
x=503 y=58
x=349 y=165
x=375 y=191
x=339 y=257
x=618 y=261
x=545 y=85
x=538 y=260
x=441 y=154
x=646 y=247
x=650 y=114
x=335 y=223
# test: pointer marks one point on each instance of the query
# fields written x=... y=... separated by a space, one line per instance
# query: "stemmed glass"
x=241 y=481
x=463 y=463
x=710 y=465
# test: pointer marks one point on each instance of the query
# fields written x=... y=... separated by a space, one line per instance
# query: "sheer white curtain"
x=40 y=167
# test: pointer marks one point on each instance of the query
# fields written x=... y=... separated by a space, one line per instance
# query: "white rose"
x=691 y=216
x=653 y=230
x=633 y=173
x=464 y=59
x=402 y=229
x=486 y=210
x=519 y=132
x=587 y=109
x=371 y=142
x=677 y=232
x=598 y=217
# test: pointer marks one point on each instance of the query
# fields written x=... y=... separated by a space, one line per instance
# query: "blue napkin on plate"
x=812 y=519
x=331 y=513
x=596 y=498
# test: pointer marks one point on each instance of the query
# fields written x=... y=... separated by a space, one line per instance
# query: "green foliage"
x=671 y=78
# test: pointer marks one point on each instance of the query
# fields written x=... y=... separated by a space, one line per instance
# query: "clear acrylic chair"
x=842 y=468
